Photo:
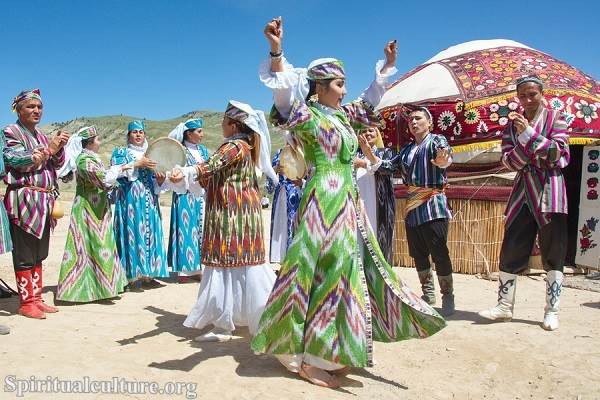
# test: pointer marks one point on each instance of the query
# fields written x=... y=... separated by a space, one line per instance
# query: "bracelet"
x=276 y=55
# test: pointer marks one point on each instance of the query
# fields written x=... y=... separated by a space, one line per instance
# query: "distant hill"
x=113 y=129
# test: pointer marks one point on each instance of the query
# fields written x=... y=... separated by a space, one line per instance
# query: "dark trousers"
x=519 y=239
x=28 y=250
x=430 y=238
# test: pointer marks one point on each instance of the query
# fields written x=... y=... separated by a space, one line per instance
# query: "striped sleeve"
x=514 y=156
x=440 y=142
x=16 y=154
x=58 y=160
x=554 y=148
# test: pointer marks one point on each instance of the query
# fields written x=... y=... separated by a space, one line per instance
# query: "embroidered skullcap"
x=26 y=95
x=530 y=78
x=326 y=68
x=425 y=110
x=73 y=149
x=87 y=132
x=194 y=123
x=136 y=125
x=238 y=111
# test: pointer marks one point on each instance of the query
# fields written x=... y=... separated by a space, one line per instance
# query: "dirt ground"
x=140 y=337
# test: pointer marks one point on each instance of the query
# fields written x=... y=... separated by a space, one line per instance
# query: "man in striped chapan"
x=31 y=161
x=536 y=146
x=423 y=164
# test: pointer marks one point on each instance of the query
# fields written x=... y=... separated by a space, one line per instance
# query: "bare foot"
x=318 y=377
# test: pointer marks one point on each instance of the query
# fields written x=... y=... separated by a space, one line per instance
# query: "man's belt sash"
x=418 y=195
x=36 y=188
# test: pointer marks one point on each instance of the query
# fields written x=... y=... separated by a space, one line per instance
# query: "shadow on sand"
x=249 y=364
x=472 y=316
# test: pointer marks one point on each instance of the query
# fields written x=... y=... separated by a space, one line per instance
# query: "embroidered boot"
x=25 y=288
x=38 y=285
x=427 y=285
x=507 y=286
x=447 y=290
x=554 y=281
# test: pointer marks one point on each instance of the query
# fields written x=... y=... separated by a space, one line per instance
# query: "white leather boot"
x=554 y=281
x=507 y=286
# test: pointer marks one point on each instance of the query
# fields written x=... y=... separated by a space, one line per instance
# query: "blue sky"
x=160 y=59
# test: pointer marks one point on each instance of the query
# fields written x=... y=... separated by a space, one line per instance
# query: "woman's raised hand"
x=274 y=34
x=391 y=54
x=364 y=146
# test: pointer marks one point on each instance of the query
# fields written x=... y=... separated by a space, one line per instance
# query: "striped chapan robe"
x=414 y=163
x=90 y=268
x=335 y=292
x=26 y=207
x=539 y=183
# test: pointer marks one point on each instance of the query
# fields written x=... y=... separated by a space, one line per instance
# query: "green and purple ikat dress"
x=334 y=296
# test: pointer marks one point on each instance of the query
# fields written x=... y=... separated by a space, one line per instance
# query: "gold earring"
x=314 y=98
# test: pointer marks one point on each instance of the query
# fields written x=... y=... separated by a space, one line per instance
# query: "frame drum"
x=167 y=153
x=291 y=161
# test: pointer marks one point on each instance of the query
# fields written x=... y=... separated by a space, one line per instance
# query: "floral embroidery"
x=556 y=103
x=457 y=129
x=501 y=111
x=586 y=242
x=586 y=111
x=482 y=127
x=472 y=116
x=460 y=106
x=569 y=118
x=446 y=119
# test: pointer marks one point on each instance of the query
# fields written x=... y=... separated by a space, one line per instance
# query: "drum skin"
x=168 y=153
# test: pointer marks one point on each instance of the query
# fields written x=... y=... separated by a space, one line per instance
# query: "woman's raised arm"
x=274 y=34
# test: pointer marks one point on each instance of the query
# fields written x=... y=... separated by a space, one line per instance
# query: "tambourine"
x=167 y=153
x=292 y=163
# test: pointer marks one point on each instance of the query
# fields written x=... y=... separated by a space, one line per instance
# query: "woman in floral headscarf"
x=335 y=292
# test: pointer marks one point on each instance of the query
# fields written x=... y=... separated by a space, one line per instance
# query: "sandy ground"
x=140 y=337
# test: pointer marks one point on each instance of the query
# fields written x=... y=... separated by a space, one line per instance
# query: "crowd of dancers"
x=331 y=230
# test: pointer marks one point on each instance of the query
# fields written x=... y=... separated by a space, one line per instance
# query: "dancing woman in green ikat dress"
x=335 y=292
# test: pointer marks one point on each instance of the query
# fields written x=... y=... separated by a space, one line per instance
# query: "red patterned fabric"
x=485 y=79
